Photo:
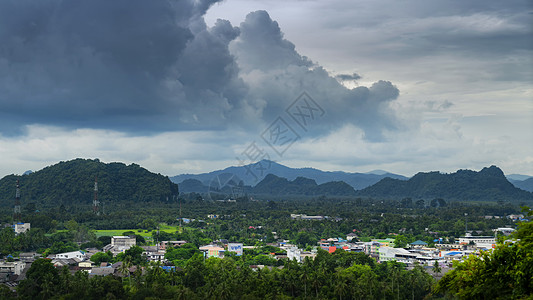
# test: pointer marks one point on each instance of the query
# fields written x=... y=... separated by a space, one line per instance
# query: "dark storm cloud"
x=284 y=74
x=112 y=64
x=148 y=66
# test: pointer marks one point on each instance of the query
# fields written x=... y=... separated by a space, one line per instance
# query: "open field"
x=143 y=233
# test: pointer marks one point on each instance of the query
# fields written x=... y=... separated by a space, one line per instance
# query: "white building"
x=480 y=241
x=15 y=267
x=235 y=247
x=74 y=254
x=21 y=227
x=294 y=253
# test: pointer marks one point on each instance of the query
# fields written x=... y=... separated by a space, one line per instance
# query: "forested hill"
x=274 y=185
x=72 y=182
x=489 y=184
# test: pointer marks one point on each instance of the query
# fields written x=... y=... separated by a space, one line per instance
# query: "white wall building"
x=21 y=227
x=15 y=267
x=74 y=254
x=480 y=241
x=294 y=253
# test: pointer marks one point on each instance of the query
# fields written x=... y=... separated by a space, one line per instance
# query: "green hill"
x=72 y=182
x=489 y=184
x=278 y=186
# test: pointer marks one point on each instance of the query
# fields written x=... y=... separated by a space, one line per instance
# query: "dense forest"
x=72 y=183
x=489 y=184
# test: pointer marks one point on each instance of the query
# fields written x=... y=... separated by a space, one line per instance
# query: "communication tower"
x=16 y=208
x=96 y=203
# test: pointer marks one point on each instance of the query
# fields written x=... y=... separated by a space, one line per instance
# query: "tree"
x=100 y=257
x=436 y=267
x=41 y=281
x=504 y=273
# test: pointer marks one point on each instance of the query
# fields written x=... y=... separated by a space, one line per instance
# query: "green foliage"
x=504 y=273
x=178 y=254
x=340 y=275
x=100 y=257
x=72 y=182
x=489 y=184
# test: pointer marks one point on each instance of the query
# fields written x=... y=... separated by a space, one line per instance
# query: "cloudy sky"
x=184 y=86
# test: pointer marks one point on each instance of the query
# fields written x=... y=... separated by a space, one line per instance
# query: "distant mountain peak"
x=492 y=171
x=252 y=174
x=378 y=172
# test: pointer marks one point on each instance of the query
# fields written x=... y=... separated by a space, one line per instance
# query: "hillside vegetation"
x=72 y=182
x=489 y=184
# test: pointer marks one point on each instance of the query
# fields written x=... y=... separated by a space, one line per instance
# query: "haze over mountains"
x=252 y=174
x=71 y=182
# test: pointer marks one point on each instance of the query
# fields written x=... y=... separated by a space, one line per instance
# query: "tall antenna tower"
x=16 y=208
x=96 y=203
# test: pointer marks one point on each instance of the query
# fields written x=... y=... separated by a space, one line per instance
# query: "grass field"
x=143 y=233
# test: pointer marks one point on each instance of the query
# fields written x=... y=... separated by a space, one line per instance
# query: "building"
x=294 y=253
x=306 y=217
x=418 y=244
x=74 y=254
x=350 y=236
x=13 y=267
x=21 y=227
x=504 y=230
x=479 y=241
x=212 y=251
x=125 y=242
x=235 y=247
x=166 y=244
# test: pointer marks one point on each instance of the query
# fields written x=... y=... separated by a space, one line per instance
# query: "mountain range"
x=252 y=174
x=72 y=182
x=489 y=184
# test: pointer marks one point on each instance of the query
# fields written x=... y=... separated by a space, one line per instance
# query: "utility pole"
x=96 y=203
x=466 y=223
x=16 y=208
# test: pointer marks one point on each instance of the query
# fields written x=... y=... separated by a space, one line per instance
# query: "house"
x=85 y=264
x=120 y=244
x=294 y=253
x=74 y=254
x=62 y=262
x=237 y=248
x=29 y=256
x=102 y=271
x=21 y=227
x=212 y=251
x=350 y=236
x=418 y=244
x=13 y=267
x=123 y=242
x=166 y=244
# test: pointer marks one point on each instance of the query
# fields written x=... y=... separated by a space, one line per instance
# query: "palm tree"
x=124 y=268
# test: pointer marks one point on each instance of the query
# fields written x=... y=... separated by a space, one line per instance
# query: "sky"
x=191 y=86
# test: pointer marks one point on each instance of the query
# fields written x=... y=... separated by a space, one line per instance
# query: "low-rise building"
x=21 y=227
x=479 y=241
x=120 y=244
x=74 y=254
x=166 y=244
x=212 y=251
x=13 y=267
